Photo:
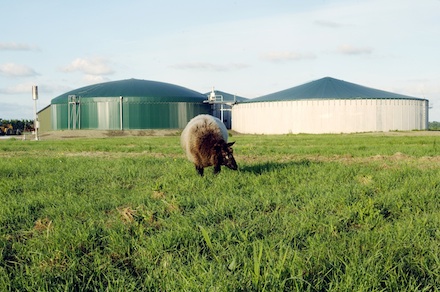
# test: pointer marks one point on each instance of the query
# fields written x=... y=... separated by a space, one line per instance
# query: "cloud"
x=11 y=46
x=25 y=89
x=16 y=70
x=327 y=23
x=93 y=79
x=204 y=66
x=287 y=56
x=21 y=88
x=10 y=111
x=352 y=50
x=91 y=66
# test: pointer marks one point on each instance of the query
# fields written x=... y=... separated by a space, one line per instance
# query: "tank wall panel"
x=329 y=116
x=161 y=115
x=102 y=115
x=59 y=116
x=105 y=114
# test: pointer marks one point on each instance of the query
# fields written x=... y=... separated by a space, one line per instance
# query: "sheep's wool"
x=198 y=126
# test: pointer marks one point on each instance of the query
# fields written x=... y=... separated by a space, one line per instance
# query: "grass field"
x=354 y=212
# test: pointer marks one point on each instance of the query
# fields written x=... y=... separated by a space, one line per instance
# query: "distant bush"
x=434 y=126
x=19 y=124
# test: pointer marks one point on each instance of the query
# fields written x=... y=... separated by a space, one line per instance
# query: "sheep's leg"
x=199 y=170
x=217 y=169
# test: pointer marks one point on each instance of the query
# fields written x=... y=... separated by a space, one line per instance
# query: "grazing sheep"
x=205 y=141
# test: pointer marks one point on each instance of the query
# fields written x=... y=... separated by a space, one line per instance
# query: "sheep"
x=205 y=141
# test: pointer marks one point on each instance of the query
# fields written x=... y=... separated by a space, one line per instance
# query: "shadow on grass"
x=270 y=166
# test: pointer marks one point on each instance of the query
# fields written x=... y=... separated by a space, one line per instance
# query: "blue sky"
x=248 y=48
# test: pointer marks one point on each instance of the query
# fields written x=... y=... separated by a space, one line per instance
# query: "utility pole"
x=35 y=97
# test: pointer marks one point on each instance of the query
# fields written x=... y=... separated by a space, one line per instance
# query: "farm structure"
x=127 y=104
x=222 y=103
x=330 y=105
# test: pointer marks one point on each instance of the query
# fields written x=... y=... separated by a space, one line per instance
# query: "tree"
x=22 y=125
x=434 y=126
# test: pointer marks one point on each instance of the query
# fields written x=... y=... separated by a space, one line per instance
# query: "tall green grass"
x=303 y=213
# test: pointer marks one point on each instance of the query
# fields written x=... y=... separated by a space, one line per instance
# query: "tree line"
x=22 y=125
x=434 y=126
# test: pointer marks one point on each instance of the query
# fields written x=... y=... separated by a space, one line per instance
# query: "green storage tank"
x=127 y=104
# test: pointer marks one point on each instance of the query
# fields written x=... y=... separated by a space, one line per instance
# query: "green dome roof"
x=148 y=91
x=330 y=88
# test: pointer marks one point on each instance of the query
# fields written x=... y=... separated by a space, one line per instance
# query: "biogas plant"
x=127 y=104
x=326 y=105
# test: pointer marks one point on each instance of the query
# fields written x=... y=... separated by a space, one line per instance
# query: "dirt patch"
x=71 y=134
x=410 y=133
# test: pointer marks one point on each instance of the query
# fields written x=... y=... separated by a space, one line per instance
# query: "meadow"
x=357 y=212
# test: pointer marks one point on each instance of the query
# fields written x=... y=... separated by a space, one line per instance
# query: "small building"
x=222 y=103
x=44 y=123
x=330 y=105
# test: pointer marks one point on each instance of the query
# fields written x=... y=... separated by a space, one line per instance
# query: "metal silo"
x=329 y=105
x=127 y=104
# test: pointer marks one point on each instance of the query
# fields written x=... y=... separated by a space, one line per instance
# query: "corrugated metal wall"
x=105 y=114
x=330 y=116
x=44 y=120
x=59 y=116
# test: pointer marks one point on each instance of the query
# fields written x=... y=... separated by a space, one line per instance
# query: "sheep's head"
x=225 y=154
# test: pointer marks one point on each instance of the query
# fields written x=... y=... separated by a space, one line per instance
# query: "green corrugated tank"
x=127 y=104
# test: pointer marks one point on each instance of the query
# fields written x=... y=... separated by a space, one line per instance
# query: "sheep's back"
x=198 y=128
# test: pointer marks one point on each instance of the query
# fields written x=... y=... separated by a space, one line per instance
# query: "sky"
x=245 y=47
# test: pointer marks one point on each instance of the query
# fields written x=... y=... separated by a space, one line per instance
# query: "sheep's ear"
x=230 y=144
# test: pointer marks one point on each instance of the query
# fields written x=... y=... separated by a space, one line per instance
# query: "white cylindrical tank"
x=330 y=106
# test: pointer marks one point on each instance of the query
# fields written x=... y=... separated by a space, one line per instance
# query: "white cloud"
x=93 y=79
x=24 y=90
x=12 y=46
x=205 y=66
x=91 y=66
x=16 y=70
x=21 y=88
x=327 y=23
x=287 y=56
x=10 y=111
x=353 y=50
